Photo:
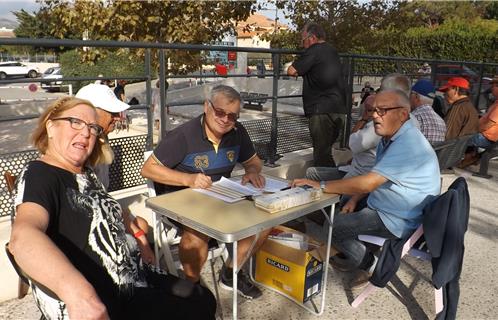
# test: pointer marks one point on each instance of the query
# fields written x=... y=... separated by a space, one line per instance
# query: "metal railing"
x=356 y=69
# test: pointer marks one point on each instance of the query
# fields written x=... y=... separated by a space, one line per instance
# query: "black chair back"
x=451 y=152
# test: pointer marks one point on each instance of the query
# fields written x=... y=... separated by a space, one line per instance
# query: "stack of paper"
x=286 y=199
x=229 y=191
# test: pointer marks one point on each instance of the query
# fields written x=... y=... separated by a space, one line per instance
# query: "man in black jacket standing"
x=324 y=98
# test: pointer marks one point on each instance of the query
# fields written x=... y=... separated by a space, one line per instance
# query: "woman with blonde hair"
x=69 y=235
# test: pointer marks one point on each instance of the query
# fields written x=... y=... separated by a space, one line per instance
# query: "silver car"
x=48 y=78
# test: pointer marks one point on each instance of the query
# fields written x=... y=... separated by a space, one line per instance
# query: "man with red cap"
x=462 y=118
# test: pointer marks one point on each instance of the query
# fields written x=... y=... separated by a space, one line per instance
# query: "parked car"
x=446 y=71
x=48 y=78
x=14 y=68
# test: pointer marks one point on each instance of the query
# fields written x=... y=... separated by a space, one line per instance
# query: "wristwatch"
x=322 y=186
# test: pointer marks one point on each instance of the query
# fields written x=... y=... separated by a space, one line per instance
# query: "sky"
x=7 y=6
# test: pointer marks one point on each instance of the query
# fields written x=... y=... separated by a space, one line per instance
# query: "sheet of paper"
x=229 y=191
x=271 y=185
x=232 y=191
x=247 y=190
x=218 y=195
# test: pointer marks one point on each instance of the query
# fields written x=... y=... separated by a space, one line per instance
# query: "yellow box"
x=296 y=273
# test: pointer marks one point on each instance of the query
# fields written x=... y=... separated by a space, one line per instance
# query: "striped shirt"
x=432 y=125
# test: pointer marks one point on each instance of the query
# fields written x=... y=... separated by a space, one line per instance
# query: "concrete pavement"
x=408 y=296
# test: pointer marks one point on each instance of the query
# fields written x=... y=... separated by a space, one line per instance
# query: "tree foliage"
x=192 y=22
x=347 y=24
x=29 y=26
x=36 y=26
x=453 y=30
x=109 y=66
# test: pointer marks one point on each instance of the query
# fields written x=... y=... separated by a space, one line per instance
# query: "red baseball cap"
x=455 y=82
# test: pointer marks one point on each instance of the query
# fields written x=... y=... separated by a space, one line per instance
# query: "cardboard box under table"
x=291 y=263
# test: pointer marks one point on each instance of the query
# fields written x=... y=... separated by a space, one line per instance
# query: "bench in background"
x=253 y=101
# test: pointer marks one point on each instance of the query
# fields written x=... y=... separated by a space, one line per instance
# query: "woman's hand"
x=146 y=252
x=86 y=305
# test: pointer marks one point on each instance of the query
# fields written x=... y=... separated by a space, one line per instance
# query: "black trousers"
x=324 y=128
x=170 y=297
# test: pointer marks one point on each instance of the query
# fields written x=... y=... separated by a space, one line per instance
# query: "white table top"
x=227 y=222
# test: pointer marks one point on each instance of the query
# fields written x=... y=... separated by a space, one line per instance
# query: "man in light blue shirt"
x=403 y=180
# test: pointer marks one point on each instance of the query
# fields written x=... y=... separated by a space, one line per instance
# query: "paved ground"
x=408 y=296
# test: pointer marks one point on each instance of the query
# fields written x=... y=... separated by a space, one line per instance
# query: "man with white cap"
x=108 y=109
x=432 y=125
x=108 y=113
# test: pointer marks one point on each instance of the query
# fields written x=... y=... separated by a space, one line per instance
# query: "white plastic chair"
x=407 y=248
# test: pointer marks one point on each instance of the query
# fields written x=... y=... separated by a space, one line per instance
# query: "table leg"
x=156 y=231
x=330 y=218
x=249 y=251
x=234 y=279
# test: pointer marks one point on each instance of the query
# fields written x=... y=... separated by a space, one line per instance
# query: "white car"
x=48 y=78
x=14 y=68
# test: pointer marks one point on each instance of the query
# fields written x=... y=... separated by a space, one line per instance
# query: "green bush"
x=453 y=40
x=113 y=65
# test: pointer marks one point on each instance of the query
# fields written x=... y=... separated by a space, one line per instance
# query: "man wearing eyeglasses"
x=403 y=180
x=195 y=155
x=462 y=118
x=324 y=99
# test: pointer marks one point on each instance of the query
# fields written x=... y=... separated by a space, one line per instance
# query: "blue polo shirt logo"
x=231 y=155
x=201 y=161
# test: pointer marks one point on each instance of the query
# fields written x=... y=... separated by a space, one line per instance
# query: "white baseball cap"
x=101 y=96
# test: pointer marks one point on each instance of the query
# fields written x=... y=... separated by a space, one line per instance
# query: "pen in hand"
x=202 y=181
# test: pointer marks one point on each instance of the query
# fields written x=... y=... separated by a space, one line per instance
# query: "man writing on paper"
x=195 y=155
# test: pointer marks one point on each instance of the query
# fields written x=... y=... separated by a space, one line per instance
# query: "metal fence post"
x=433 y=72
x=150 y=132
x=274 y=120
x=478 y=94
x=349 y=101
x=162 y=93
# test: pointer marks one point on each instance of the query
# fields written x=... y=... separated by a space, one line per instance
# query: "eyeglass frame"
x=384 y=110
x=307 y=37
x=75 y=121
x=220 y=113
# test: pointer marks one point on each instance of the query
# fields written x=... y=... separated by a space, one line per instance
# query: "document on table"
x=232 y=190
x=271 y=184
x=228 y=190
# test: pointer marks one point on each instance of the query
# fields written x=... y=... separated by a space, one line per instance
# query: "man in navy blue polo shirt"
x=195 y=155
